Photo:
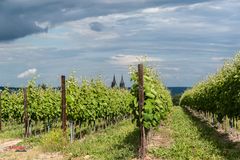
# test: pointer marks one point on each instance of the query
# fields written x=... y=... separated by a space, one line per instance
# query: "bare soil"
x=8 y=152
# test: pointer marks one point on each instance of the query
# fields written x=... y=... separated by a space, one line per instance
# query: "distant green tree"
x=176 y=99
x=43 y=86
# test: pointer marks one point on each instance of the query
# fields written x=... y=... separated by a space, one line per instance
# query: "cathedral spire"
x=114 y=83
x=122 y=84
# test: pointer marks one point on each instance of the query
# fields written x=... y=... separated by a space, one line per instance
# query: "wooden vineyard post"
x=142 y=147
x=0 y=111
x=64 y=116
x=26 y=133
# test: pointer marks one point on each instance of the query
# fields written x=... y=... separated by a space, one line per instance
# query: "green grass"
x=11 y=131
x=117 y=142
x=53 y=141
x=192 y=139
x=196 y=140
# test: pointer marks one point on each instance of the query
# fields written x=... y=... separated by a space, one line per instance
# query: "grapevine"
x=219 y=93
x=157 y=102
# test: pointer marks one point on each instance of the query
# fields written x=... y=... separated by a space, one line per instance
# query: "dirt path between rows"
x=5 y=145
x=6 y=153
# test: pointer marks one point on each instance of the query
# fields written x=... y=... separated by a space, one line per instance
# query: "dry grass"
x=161 y=138
x=31 y=154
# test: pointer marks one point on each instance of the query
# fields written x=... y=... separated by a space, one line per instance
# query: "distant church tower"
x=114 y=83
x=122 y=84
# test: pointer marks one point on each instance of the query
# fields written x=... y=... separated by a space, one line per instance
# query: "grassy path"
x=118 y=142
x=183 y=137
x=191 y=139
x=196 y=140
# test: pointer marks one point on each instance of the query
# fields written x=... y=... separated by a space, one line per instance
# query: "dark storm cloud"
x=96 y=26
x=19 y=18
x=15 y=27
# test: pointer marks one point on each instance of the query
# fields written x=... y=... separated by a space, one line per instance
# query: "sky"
x=184 y=40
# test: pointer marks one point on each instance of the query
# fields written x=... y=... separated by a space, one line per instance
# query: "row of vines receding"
x=219 y=94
